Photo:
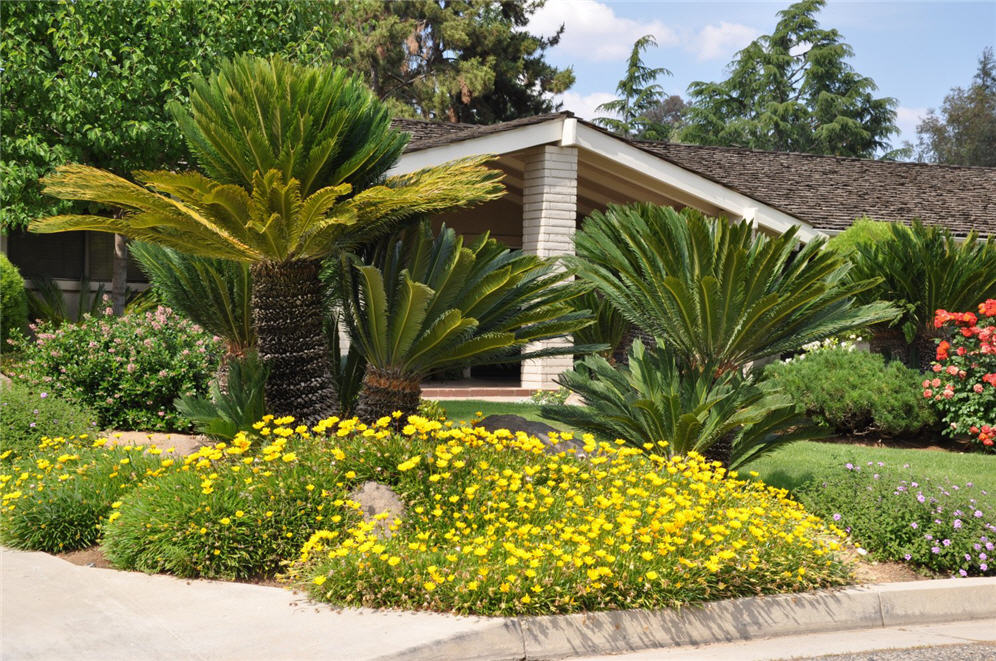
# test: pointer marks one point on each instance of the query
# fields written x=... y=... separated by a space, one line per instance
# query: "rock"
x=376 y=498
x=540 y=430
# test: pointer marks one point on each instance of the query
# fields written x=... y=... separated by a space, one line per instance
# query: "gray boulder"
x=376 y=498
x=540 y=430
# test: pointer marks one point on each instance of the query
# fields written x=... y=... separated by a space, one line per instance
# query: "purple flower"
x=908 y=556
x=920 y=498
x=849 y=466
x=963 y=572
x=946 y=542
x=32 y=424
x=836 y=517
x=983 y=566
x=935 y=549
x=928 y=537
x=914 y=525
x=977 y=514
x=43 y=395
x=957 y=524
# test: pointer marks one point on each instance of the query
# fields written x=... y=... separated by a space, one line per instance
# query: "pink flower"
x=977 y=387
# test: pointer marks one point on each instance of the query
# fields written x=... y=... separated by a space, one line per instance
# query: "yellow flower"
x=429 y=586
x=225 y=521
x=318 y=580
x=652 y=575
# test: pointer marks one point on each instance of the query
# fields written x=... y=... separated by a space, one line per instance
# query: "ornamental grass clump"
x=127 y=370
x=496 y=525
x=945 y=528
x=56 y=499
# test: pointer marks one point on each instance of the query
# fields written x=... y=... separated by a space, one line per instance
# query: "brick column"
x=549 y=216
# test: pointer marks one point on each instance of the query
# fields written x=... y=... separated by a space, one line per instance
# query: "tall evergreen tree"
x=455 y=60
x=640 y=99
x=965 y=131
x=793 y=90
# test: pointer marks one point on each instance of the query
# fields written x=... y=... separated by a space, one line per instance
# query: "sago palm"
x=428 y=302
x=651 y=402
x=718 y=294
x=924 y=268
x=295 y=159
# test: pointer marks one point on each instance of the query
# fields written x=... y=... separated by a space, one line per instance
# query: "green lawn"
x=464 y=410
x=797 y=463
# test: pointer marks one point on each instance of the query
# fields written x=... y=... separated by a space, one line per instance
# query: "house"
x=559 y=168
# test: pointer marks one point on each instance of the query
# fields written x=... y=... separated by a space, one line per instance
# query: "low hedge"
x=855 y=392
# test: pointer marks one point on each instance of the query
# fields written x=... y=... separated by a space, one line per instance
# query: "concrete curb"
x=864 y=607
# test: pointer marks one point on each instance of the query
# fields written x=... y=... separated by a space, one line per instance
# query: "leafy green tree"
x=458 y=60
x=792 y=90
x=426 y=303
x=965 y=131
x=640 y=98
x=89 y=81
x=295 y=158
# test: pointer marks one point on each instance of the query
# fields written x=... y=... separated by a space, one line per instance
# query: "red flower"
x=942 y=350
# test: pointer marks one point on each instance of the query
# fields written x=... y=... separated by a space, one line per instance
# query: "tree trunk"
x=119 y=274
x=287 y=309
x=386 y=391
x=721 y=450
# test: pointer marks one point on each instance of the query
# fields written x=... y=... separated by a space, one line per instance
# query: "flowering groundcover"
x=941 y=527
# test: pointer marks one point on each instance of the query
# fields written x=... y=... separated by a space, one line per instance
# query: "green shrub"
x=855 y=392
x=941 y=527
x=56 y=499
x=13 y=301
x=27 y=416
x=128 y=369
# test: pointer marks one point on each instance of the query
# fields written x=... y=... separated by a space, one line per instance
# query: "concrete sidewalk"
x=52 y=609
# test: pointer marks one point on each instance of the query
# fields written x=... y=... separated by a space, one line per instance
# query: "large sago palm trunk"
x=386 y=391
x=287 y=309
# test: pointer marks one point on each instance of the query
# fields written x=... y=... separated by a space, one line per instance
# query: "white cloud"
x=593 y=31
x=907 y=120
x=721 y=41
x=584 y=106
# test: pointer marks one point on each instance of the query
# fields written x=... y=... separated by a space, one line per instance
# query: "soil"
x=183 y=443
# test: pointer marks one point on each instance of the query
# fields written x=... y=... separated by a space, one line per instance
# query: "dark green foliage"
x=347 y=368
x=224 y=413
x=26 y=416
x=652 y=399
x=900 y=516
x=855 y=392
x=89 y=81
x=215 y=294
x=639 y=98
x=792 y=90
x=965 y=131
x=459 y=61
x=924 y=268
x=13 y=301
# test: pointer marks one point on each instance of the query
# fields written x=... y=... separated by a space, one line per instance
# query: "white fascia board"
x=738 y=204
x=500 y=142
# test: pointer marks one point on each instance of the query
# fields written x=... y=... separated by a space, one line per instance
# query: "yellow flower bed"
x=497 y=526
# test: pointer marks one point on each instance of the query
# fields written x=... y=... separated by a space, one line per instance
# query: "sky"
x=915 y=51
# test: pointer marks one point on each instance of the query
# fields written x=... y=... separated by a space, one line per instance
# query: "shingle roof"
x=828 y=192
